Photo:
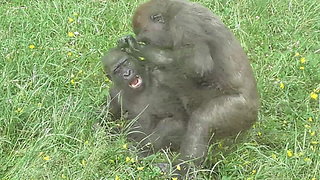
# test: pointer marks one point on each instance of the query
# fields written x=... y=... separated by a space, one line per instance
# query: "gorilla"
x=197 y=56
x=161 y=117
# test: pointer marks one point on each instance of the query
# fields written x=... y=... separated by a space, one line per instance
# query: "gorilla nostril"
x=127 y=74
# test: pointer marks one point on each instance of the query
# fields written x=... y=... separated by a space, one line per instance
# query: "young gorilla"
x=203 y=62
x=161 y=116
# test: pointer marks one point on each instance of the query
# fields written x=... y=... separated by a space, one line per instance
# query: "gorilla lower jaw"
x=136 y=82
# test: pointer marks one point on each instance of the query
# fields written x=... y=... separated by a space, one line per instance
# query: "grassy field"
x=52 y=87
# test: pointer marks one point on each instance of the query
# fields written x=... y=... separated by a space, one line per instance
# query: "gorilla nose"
x=127 y=74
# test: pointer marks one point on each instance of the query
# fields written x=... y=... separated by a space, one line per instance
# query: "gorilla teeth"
x=136 y=82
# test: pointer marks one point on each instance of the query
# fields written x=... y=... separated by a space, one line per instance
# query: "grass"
x=52 y=88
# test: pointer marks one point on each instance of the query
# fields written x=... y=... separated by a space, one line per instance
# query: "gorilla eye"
x=158 y=18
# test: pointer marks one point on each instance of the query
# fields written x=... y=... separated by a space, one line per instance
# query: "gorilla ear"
x=157 y=18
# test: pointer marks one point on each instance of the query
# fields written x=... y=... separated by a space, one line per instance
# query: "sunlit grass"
x=53 y=87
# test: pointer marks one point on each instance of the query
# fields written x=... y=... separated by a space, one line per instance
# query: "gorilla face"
x=125 y=71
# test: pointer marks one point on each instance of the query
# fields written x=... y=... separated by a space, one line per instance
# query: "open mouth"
x=136 y=82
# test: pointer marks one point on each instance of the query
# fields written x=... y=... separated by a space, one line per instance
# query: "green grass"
x=50 y=100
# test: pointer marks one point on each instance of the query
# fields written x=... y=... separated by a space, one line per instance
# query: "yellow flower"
x=140 y=168
x=297 y=54
x=69 y=54
x=274 y=156
x=310 y=119
x=128 y=159
x=19 y=110
x=117 y=178
x=86 y=142
x=70 y=34
x=107 y=80
x=307 y=159
x=301 y=154
x=83 y=162
x=46 y=158
x=178 y=167
x=313 y=178
x=303 y=60
x=174 y=178
x=70 y=20
x=312 y=133
x=31 y=46
x=73 y=82
x=141 y=58
x=314 y=142
x=254 y=171
x=281 y=85
x=141 y=43
x=125 y=146
x=289 y=153
x=301 y=67
x=313 y=95
x=259 y=134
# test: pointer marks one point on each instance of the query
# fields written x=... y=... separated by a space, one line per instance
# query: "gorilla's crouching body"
x=161 y=118
x=197 y=57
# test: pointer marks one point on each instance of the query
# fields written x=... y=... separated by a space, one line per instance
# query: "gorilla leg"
x=223 y=116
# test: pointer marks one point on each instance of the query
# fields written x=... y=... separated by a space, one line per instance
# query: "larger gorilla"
x=197 y=56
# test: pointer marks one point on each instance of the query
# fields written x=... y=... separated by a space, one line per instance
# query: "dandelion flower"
x=31 y=46
x=70 y=20
x=141 y=58
x=310 y=119
x=281 y=85
x=125 y=146
x=301 y=68
x=301 y=154
x=313 y=178
x=19 y=110
x=254 y=171
x=46 y=158
x=117 y=178
x=70 y=34
x=69 y=54
x=259 y=134
x=289 y=153
x=140 y=168
x=72 y=81
x=307 y=159
x=303 y=60
x=174 y=178
x=178 y=167
x=313 y=95
x=307 y=126
x=83 y=162
x=128 y=159
x=313 y=133
x=297 y=54
x=274 y=156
